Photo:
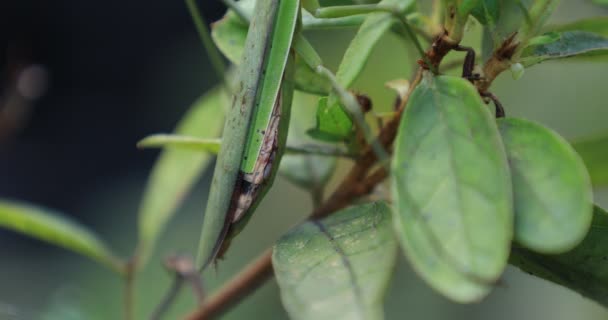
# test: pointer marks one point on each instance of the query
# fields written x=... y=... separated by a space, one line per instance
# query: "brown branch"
x=243 y=284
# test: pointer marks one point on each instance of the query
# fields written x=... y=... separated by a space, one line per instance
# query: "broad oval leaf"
x=337 y=268
x=551 y=188
x=177 y=169
x=594 y=151
x=306 y=171
x=230 y=33
x=452 y=189
x=52 y=227
x=583 y=269
x=568 y=44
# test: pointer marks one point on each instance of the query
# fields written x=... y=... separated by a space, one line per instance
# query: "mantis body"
x=254 y=136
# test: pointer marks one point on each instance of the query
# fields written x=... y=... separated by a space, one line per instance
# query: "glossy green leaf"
x=551 y=188
x=333 y=122
x=597 y=25
x=584 y=269
x=52 y=227
x=486 y=11
x=569 y=44
x=452 y=189
x=178 y=169
x=211 y=145
x=594 y=151
x=337 y=268
x=307 y=171
x=229 y=35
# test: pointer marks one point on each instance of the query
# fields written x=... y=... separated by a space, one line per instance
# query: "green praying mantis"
x=255 y=130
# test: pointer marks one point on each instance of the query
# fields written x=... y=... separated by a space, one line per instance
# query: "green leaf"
x=465 y=6
x=360 y=48
x=583 y=269
x=569 y=44
x=597 y=25
x=601 y=2
x=229 y=35
x=178 y=169
x=355 y=58
x=337 y=268
x=306 y=171
x=52 y=227
x=210 y=145
x=486 y=12
x=452 y=189
x=551 y=187
x=594 y=151
x=333 y=123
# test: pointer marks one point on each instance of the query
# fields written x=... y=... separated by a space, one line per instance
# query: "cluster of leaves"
x=469 y=193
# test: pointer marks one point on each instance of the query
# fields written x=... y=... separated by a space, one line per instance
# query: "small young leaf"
x=486 y=11
x=551 y=188
x=583 y=269
x=569 y=44
x=229 y=35
x=452 y=189
x=594 y=151
x=337 y=268
x=597 y=25
x=307 y=171
x=355 y=58
x=333 y=123
x=52 y=227
x=177 y=169
x=210 y=145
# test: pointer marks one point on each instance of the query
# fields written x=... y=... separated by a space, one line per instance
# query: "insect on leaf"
x=256 y=128
x=54 y=228
x=339 y=267
x=452 y=189
x=177 y=169
x=551 y=188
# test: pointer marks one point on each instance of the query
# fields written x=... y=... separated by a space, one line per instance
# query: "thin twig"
x=185 y=272
x=244 y=283
x=167 y=301
x=129 y=291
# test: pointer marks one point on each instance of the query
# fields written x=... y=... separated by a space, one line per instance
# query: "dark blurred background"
x=117 y=71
